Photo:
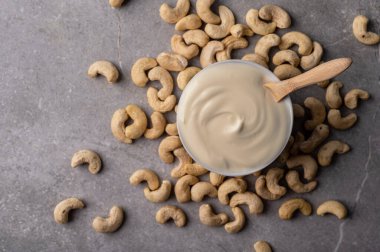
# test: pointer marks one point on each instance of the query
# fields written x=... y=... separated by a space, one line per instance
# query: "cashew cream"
x=229 y=123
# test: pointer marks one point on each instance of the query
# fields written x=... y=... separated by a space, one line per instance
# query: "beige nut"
x=238 y=223
x=145 y=175
x=333 y=98
x=87 y=157
x=255 y=58
x=294 y=183
x=230 y=186
x=231 y=43
x=319 y=134
x=209 y=218
x=262 y=246
x=304 y=43
x=158 y=105
x=202 y=189
x=271 y=12
x=257 y=174
x=288 y=208
x=254 y=203
x=119 y=118
x=172 y=61
x=286 y=152
x=171 y=129
x=197 y=37
x=317 y=110
x=219 y=31
x=332 y=207
x=163 y=76
x=203 y=8
x=265 y=43
x=173 y=15
x=63 y=208
x=139 y=68
x=184 y=158
x=167 y=146
x=209 y=51
x=105 y=68
x=158 y=126
x=286 y=56
x=298 y=110
x=111 y=223
x=359 y=28
x=307 y=162
x=194 y=169
x=351 y=98
x=298 y=139
x=286 y=71
x=116 y=3
x=182 y=188
x=273 y=177
x=186 y=75
x=262 y=189
x=327 y=151
x=190 y=22
x=166 y=213
x=257 y=25
x=312 y=60
x=179 y=46
x=216 y=179
x=241 y=30
x=336 y=120
x=161 y=194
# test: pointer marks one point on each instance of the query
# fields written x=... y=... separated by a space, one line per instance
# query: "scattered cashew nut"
x=161 y=74
x=172 y=61
x=237 y=224
x=271 y=12
x=145 y=175
x=194 y=169
x=312 y=60
x=138 y=74
x=241 y=30
x=273 y=176
x=229 y=186
x=205 y=13
x=319 y=134
x=167 y=146
x=265 y=43
x=257 y=25
x=180 y=47
x=231 y=43
x=359 y=28
x=111 y=223
x=255 y=58
x=158 y=126
x=307 y=162
x=208 y=52
x=286 y=56
x=171 y=212
x=216 y=179
x=159 y=195
x=351 y=98
x=298 y=111
x=294 y=183
x=333 y=207
x=254 y=203
x=105 y=68
x=202 y=189
x=173 y=15
x=190 y=22
x=262 y=246
x=116 y=3
x=336 y=120
x=333 y=98
x=198 y=37
x=288 y=208
x=209 y=218
x=186 y=75
x=184 y=159
x=182 y=188
x=171 y=129
x=286 y=71
x=318 y=112
x=327 y=151
x=262 y=189
x=157 y=104
x=304 y=43
x=89 y=157
x=223 y=29
x=62 y=209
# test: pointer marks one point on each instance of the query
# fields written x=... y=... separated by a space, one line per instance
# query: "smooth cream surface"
x=229 y=122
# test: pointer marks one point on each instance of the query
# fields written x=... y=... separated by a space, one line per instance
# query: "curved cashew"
x=89 y=157
x=327 y=151
x=286 y=152
x=62 y=209
x=223 y=29
x=271 y=12
x=202 y=189
x=171 y=129
x=254 y=203
x=161 y=74
x=161 y=194
x=138 y=70
x=286 y=71
x=194 y=169
x=336 y=120
x=359 y=28
x=190 y=22
x=255 y=58
x=305 y=46
x=299 y=138
x=229 y=186
x=105 y=68
x=241 y=30
x=198 y=37
x=184 y=159
x=231 y=43
x=333 y=207
x=179 y=46
x=294 y=183
x=158 y=105
x=167 y=146
x=286 y=56
x=273 y=176
x=351 y=98
x=209 y=218
x=312 y=60
x=116 y=3
x=145 y=175
x=262 y=189
x=205 y=13
x=262 y=246
x=317 y=110
x=171 y=212
x=172 y=61
x=288 y=208
x=118 y=121
x=182 y=188
x=237 y=224
x=111 y=223
x=173 y=15
x=265 y=43
x=307 y=162
x=158 y=126
x=216 y=179
x=298 y=111
x=319 y=134
x=258 y=26
x=333 y=98
x=186 y=75
x=208 y=52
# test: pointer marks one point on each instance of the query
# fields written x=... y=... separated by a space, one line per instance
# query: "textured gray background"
x=49 y=109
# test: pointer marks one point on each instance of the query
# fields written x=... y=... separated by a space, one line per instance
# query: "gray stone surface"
x=49 y=109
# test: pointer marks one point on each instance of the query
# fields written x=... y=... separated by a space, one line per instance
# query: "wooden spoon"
x=319 y=73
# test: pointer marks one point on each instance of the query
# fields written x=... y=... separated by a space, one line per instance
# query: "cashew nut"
x=286 y=152
x=299 y=138
x=172 y=61
x=158 y=105
x=171 y=212
x=111 y=223
x=307 y=162
x=241 y=30
x=167 y=146
x=327 y=151
x=61 y=211
x=351 y=98
x=161 y=194
x=205 y=13
x=161 y=74
x=184 y=159
x=105 y=68
x=179 y=46
x=231 y=43
x=158 y=126
x=319 y=134
x=312 y=60
x=208 y=52
x=271 y=12
x=262 y=189
x=288 y=208
x=255 y=58
x=298 y=111
x=198 y=37
x=286 y=56
x=262 y=246
x=138 y=70
x=273 y=177
x=173 y=15
x=257 y=174
x=333 y=98
x=286 y=71
x=223 y=29
x=237 y=224
x=359 y=27
x=317 y=110
x=257 y=25
x=182 y=188
x=194 y=169
x=254 y=203
x=265 y=43
x=116 y=3
x=294 y=183
x=229 y=186
x=89 y=157
x=202 y=189
x=145 y=175
x=171 y=129
x=333 y=207
x=304 y=43
x=186 y=75
x=190 y=22
x=216 y=179
x=209 y=218
x=336 y=120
